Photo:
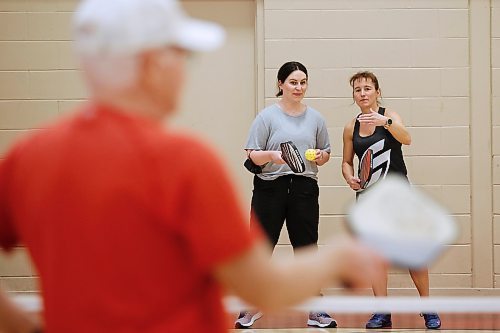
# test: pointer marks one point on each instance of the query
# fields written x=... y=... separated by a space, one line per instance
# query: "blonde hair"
x=364 y=75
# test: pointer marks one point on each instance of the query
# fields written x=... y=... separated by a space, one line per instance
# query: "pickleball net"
x=457 y=314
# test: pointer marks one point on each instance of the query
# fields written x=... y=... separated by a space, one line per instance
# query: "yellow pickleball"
x=310 y=154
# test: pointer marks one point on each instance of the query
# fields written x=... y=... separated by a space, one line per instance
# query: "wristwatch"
x=388 y=123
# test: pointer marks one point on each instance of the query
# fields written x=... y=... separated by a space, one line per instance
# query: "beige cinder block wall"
x=422 y=53
x=438 y=63
x=495 y=75
x=38 y=82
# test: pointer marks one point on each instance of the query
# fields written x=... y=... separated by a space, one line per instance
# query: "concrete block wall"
x=420 y=50
x=423 y=54
x=39 y=81
x=495 y=85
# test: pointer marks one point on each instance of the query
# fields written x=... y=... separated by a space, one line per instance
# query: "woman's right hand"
x=353 y=183
x=276 y=157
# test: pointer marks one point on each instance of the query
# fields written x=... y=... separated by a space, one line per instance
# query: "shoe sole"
x=254 y=318
x=434 y=328
x=377 y=328
x=387 y=325
x=310 y=322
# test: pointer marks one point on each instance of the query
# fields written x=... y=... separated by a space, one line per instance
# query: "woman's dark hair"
x=287 y=69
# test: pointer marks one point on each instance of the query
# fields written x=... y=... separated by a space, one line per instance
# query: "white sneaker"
x=247 y=318
x=321 y=319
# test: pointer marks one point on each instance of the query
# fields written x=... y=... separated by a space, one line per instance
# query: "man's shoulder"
x=185 y=139
x=47 y=133
x=186 y=147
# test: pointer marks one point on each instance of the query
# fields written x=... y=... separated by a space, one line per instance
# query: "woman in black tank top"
x=386 y=150
x=375 y=128
x=382 y=131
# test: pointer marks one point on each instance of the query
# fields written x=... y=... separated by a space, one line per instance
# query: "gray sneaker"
x=247 y=318
x=321 y=319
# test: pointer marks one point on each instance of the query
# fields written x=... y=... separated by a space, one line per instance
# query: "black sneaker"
x=432 y=320
x=379 y=320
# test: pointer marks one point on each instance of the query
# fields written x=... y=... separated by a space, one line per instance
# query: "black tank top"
x=387 y=153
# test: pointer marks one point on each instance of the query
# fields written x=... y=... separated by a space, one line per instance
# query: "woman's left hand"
x=319 y=155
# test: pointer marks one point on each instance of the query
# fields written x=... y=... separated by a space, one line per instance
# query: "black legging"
x=292 y=198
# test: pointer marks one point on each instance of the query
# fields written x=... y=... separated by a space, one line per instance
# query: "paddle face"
x=292 y=157
x=404 y=225
x=365 y=170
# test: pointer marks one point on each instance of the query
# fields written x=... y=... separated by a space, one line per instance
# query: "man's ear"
x=146 y=65
x=145 y=60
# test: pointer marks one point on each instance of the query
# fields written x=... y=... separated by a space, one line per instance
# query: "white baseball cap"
x=123 y=27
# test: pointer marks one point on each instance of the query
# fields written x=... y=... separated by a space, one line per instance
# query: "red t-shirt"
x=125 y=223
